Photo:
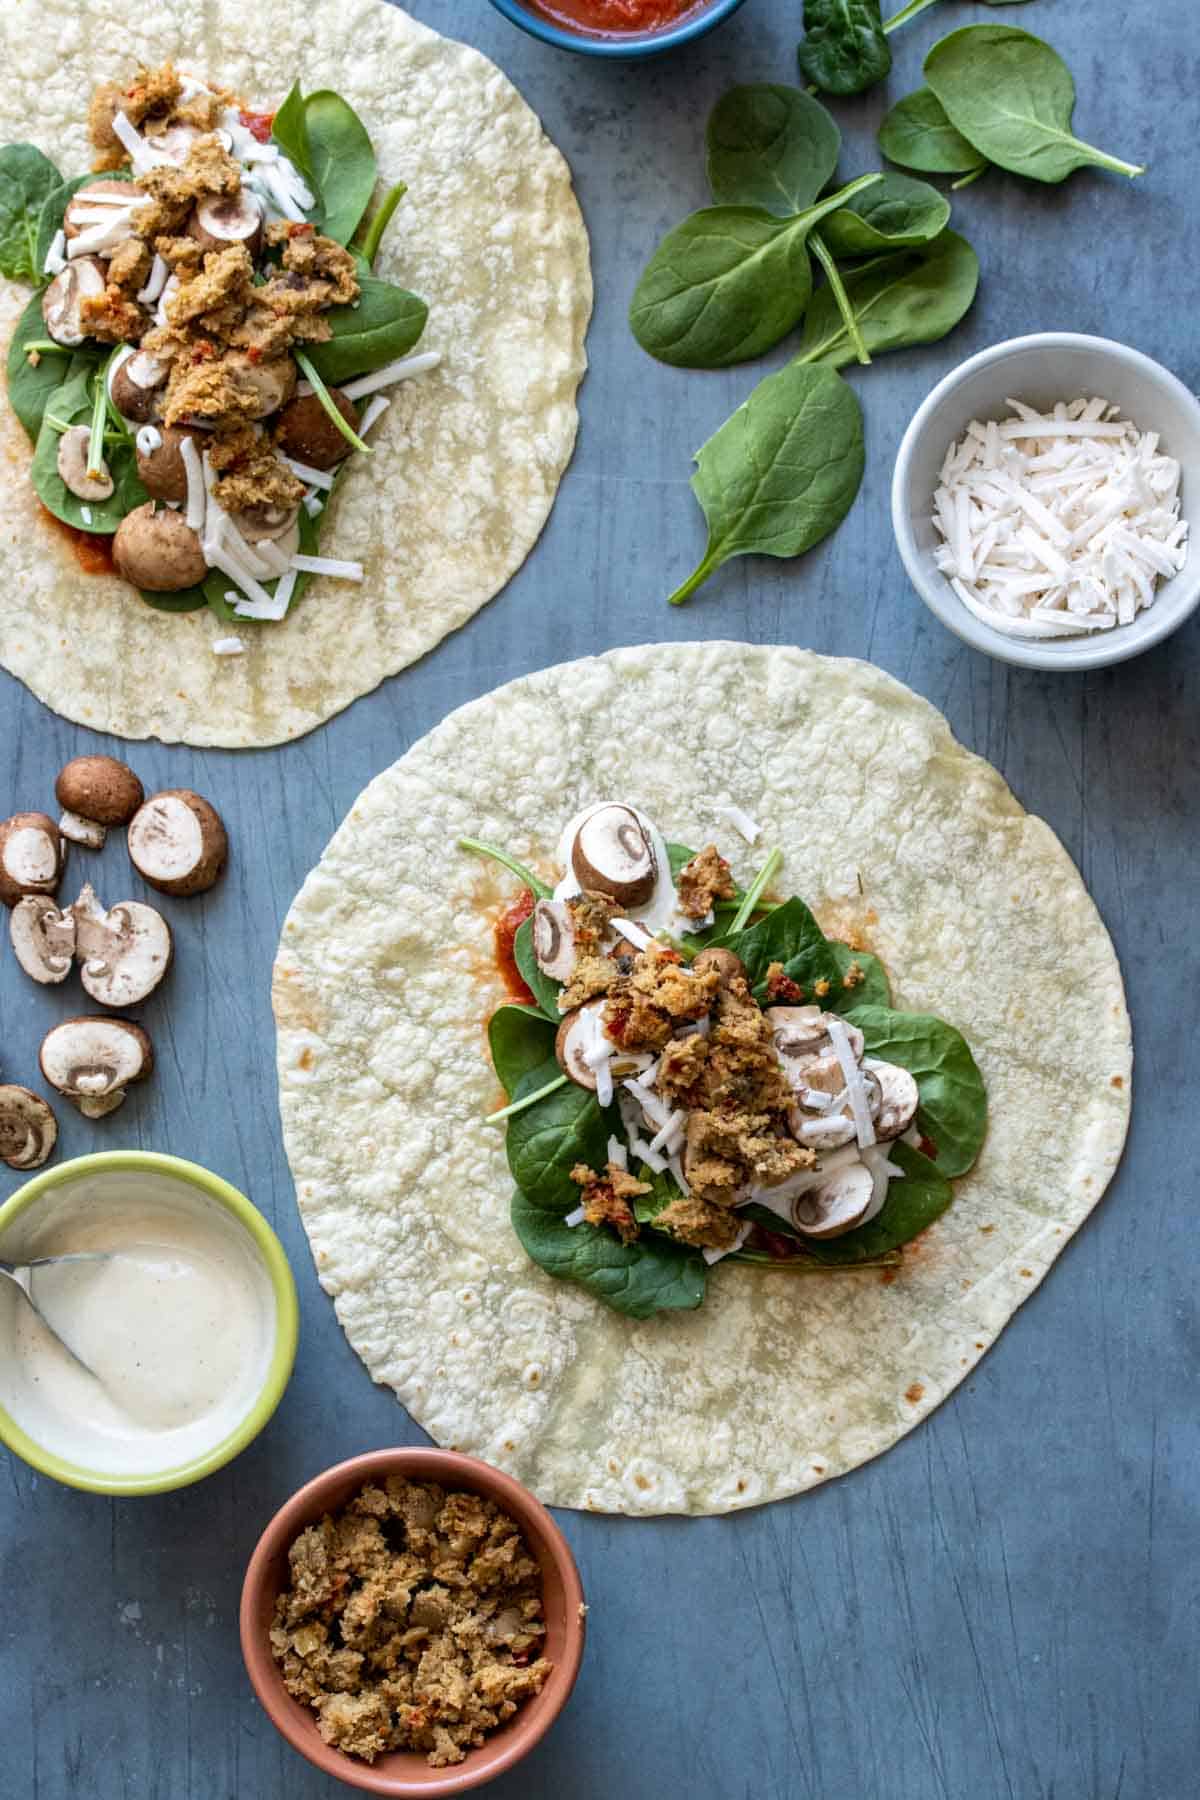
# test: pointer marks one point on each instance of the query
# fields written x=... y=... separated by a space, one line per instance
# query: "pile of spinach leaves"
x=655 y=1273
x=845 y=49
x=54 y=387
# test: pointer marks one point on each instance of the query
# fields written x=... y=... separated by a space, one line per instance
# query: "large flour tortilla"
x=384 y=980
x=467 y=460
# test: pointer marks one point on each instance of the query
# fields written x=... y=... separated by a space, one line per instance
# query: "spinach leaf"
x=72 y=404
x=184 y=600
x=782 y=472
x=385 y=324
x=917 y=134
x=893 y=215
x=1012 y=96
x=953 y=1109
x=915 y=7
x=521 y=1040
x=544 y=988
x=341 y=160
x=873 y=990
x=845 y=50
x=728 y=283
x=912 y=1203
x=545 y=1142
x=26 y=178
x=30 y=385
x=768 y=146
x=789 y=935
x=651 y=1275
x=290 y=132
x=50 y=216
x=911 y=297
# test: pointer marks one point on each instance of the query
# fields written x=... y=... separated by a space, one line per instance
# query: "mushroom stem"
x=327 y=403
x=754 y=892
x=537 y=888
x=506 y=1112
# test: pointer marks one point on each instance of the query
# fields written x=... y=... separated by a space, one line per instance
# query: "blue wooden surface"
x=1003 y=1607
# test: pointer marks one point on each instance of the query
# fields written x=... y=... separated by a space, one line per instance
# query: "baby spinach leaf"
x=728 y=283
x=911 y=297
x=953 y=1109
x=290 y=132
x=26 y=178
x=845 y=50
x=917 y=134
x=341 y=160
x=50 y=216
x=1012 y=96
x=521 y=1040
x=873 y=990
x=898 y=212
x=912 y=1203
x=30 y=385
x=184 y=600
x=789 y=935
x=385 y=324
x=544 y=988
x=651 y=1275
x=770 y=146
x=217 y=586
x=782 y=472
x=545 y=1142
x=71 y=403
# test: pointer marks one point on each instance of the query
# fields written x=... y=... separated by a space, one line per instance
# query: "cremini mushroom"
x=553 y=936
x=273 y=383
x=225 y=219
x=162 y=471
x=81 y=279
x=79 y=830
x=899 y=1098
x=43 y=938
x=577 y=1035
x=137 y=386
x=123 y=953
x=156 y=549
x=837 y=1205
x=74 y=448
x=31 y=856
x=305 y=430
x=28 y=1127
x=800 y=1035
x=613 y=855
x=723 y=963
x=257 y=524
x=177 y=842
x=99 y=788
x=93 y=1061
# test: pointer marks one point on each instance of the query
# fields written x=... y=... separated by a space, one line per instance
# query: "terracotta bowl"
x=405 y=1772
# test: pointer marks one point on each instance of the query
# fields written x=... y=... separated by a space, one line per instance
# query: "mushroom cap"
x=156 y=549
x=305 y=431
x=100 y=788
x=31 y=856
x=899 y=1098
x=553 y=934
x=574 y=1037
x=837 y=1205
x=123 y=953
x=28 y=1127
x=225 y=219
x=177 y=842
x=612 y=854
x=43 y=939
x=273 y=382
x=721 y=962
x=74 y=447
x=92 y=1061
x=163 y=472
x=60 y=301
x=257 y=524
x=79 y=199
x=133 y=397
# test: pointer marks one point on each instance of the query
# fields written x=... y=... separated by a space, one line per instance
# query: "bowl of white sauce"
x=1041 y=501
x=162 y=1347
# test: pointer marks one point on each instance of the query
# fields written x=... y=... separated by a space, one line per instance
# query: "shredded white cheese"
x=329 y=565
x=372 y=413
x=228 y=646
x=1058 y=523
x=632 y=933
x=856 y=1088
x=316 y=478
x=742 y=823
x=617 y=1153
x=55 y=261
x=85 y=513
x=149 y=439
x=574 y=1218
x=714 y=1256
x=400 y=370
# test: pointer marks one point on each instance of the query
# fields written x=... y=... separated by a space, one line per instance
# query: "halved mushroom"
x=305 y=430
x=74 y=448
x=577 y=1035
x=721 y=962
x=899 y=1098
x=43 y=938
x=28 y=1127
x=613 y=855
x=123 y=953
x=837 y=1205
x=162 y=471
x=82 y=279
x=553 y=933
x=99 y=788
x=84 y=202
x=272 y=383
x=225 y=219
x=156 y=549
x=177 y=842
x=31 y=856
x=93 y=1061
x=136 y=387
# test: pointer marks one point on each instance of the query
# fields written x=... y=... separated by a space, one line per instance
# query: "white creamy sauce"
x=659 y=913
x=176 y=1323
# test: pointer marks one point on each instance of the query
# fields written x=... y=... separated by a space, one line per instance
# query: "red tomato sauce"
x=504 y=932
x=609 y=18
x=258 y=125
x=93 y=549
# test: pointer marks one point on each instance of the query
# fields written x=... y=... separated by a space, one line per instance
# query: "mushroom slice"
x=31 y=856
x=123 y=953
x=613 y=855
x=177 y=842
x=74 y=448
x=100 y=789
x=578 y=1037
x=93 y=1061
x=553 y=932
x=83 y=278
x=43 y=939
x=28 y=1128
x=899 y=1098
x=837 y=1205
x=801 y=1038
x=225 y=219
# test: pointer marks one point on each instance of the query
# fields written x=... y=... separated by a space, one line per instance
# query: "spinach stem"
x=906 y=13
x=676 y=944
x=808 y=1265
x=506 y=1112
x=95 y=461
x=381 y=221
x=964 y=181
x=824 y=256
x=326 y=402
x=526 y=876
x=44 y=346
x=754 y=892
x=699 y=574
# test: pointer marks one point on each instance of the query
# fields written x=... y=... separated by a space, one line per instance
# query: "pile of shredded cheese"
x=1058 y=523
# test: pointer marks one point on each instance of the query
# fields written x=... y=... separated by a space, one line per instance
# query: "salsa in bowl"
x=617 y=28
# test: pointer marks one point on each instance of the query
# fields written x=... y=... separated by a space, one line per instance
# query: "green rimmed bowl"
x=149 y=1166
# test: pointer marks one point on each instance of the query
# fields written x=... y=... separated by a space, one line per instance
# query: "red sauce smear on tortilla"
x=610 y=18
x=505 y=931
x=258 y=125
x=93 y=549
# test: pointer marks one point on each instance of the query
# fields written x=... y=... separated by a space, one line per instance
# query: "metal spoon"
x=21 y=1276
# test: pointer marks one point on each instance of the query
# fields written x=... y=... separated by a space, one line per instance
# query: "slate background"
x=1005 y=1605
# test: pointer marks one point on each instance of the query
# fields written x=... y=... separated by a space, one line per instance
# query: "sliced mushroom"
x=82 y=831
x=837 y=1205
x=576 y=1036
x=28 y=1127
x=174 y=142
x=31 y=856
x=162 y=471
x=257 y=524
x=553 y=933
x=74 y=447
x=83 y=201
x=123 y=953
x=801 y=1038
x=613 y=855
x=305 y=430
x=80 y=280
x=272 y=383
x=43 y=938
x=899 y=1098
x=723 y=962
x=99 y=788
x=93 y=1061
x=226 y=219
x=818 y=1125
x=177 y=842
x=156 y=549
x=136 y=387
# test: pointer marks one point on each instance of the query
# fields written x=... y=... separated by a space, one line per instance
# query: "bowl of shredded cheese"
x=1040 y=501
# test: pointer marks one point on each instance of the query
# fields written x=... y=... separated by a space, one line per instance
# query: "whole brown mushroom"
x=136 y=387
x=156 y=549
x=305 y=431
x=99 y=788
x=163 y=472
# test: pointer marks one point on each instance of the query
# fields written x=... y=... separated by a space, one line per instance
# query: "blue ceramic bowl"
x=627 y=45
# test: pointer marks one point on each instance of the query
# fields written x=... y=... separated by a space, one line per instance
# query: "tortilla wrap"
x=385 y=978
x=466 y=460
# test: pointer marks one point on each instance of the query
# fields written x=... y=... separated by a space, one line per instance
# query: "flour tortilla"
x=384 y=981
x=467 y=459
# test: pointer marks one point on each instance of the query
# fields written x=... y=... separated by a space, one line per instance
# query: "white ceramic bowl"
x=1044 y=368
